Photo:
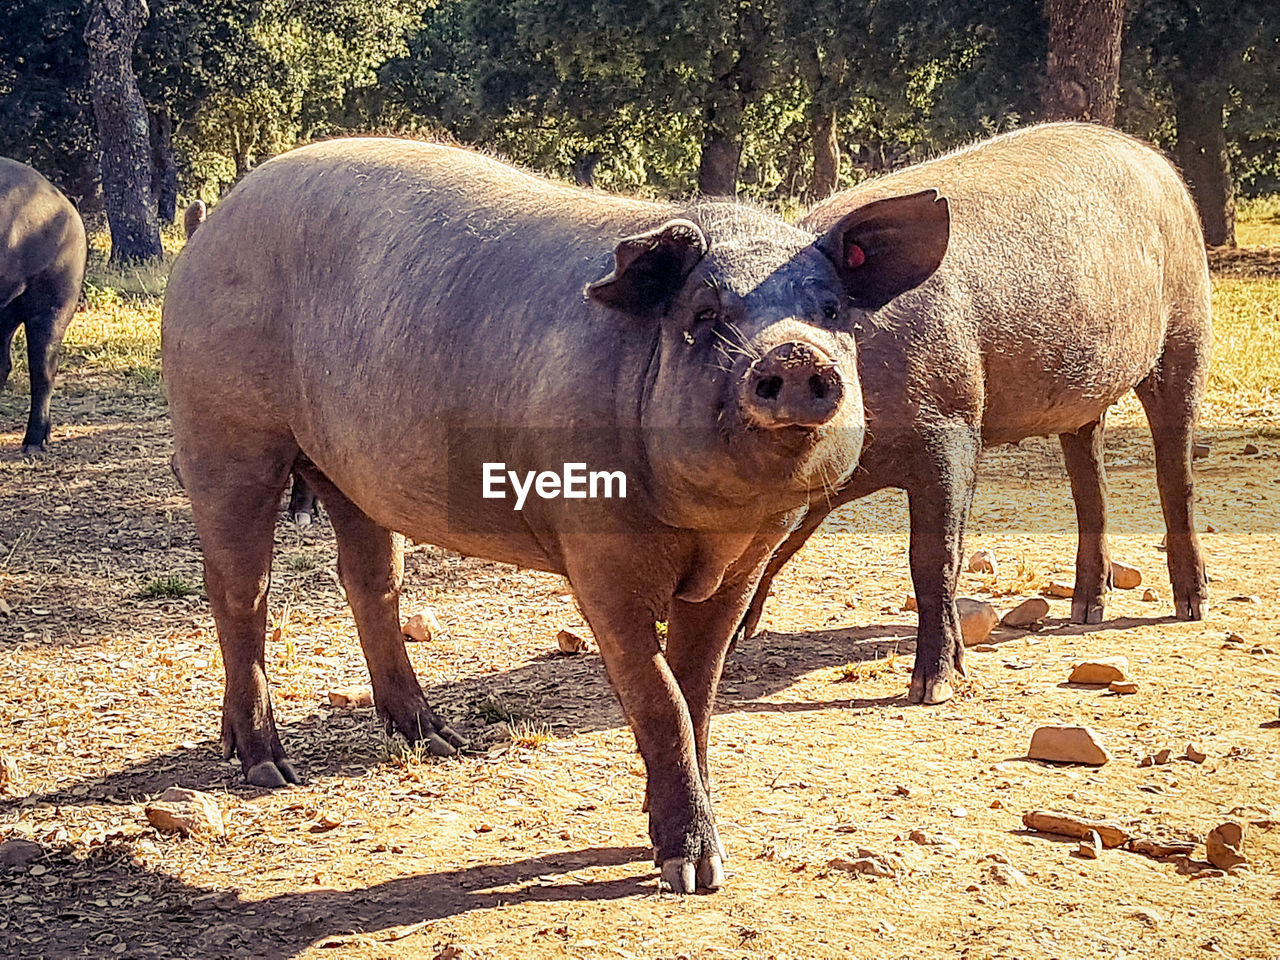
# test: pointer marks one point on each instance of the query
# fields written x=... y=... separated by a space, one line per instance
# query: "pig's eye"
x=705 y=316
x=831 y=310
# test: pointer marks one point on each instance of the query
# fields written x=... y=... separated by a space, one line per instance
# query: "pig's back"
x=1072 y=247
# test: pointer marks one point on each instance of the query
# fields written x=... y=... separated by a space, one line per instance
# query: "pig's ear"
x=650 y=268
x=886 y=247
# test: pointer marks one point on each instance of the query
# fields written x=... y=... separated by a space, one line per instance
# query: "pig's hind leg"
x=371 y=565
x=1170 y=396
x=1083 y=453
x=234 y=486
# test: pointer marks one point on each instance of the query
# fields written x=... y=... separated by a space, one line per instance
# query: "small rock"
x=977 y=619
x=1056 y=588
x=1149 y=917
x=422 y=626
x=1265 y=651
x=1199 y=451
x=1224 y=845
x=1099 y=672
x=1027 y=614
x=986 y=648
x=910 y=603
x=902 y=790
x=1090 y=846
x=1195 y=754
x=1122 y=686
x=983 y=561
x=926 y=839
x=1233 y=638
x=1245 y=598
x=18 y=853
x=1069 y=825
x=959 y=812
x=570 y=642
x=1250 y=449
x=1159 y=847
x=868 y=863
x=5 y=609
x=1162 y=757
x=352 y=697
x=1067 y=745
x=1150 y=596
x=1007 y=876
x=187 y=812
x=1124 y=576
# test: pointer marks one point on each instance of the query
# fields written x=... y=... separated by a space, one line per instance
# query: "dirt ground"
x=533 y=844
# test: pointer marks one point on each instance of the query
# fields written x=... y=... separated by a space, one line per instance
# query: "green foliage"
x=170 y=587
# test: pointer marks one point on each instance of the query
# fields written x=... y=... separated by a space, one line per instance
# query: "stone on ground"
x=1122 y=686
x=422 y=626
x=1124 y=576
x=1056 y=588
x=977 y=619
x=19 y=853
x=1224 y=845
x=983 y=561
x=1070 y=825
x=570 y=642
x=188 y=812
x=1101 y=671
x=1027 y=614
x=351 y=697
x=1066 y=744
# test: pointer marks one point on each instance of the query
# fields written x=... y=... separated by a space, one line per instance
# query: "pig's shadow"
x=96 y=905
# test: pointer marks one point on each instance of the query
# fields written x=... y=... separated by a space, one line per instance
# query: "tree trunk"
x=1083 y=75
x=1206 y=165
x=721 y=152
x=826 y=155
x=164 y=170
x=110 y=31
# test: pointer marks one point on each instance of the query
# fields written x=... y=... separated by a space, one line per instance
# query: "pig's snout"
x=793 y=385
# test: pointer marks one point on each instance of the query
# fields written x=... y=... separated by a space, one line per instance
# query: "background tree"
x=1083 y=75
x=110 y=30
x=1204 y=53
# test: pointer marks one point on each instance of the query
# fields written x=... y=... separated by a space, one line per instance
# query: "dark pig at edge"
x=43 y=251
x=371 y=311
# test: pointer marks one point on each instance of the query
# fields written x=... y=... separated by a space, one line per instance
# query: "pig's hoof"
x=302 y=518
x=1193 y=608
x=278 y=773
x=1086 y=612
x=682 y=876
x=443 y=744
x=929 y=692
x=34 y=450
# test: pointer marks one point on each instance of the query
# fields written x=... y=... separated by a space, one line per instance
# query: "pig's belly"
x=1058 y=390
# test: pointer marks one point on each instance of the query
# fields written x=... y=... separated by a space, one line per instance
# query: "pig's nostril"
x=818 y=387
x=768 y=388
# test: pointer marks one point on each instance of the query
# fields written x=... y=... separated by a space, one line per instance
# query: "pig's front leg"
x=681 y=825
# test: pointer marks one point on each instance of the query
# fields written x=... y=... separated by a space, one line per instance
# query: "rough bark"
x=823 y=79
x=164 y=169
x=111 y=28
x=1083 y=75
x=1206 y=164
x=739 y=72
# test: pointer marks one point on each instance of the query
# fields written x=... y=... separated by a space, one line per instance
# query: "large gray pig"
x=42 y=261
x=421 y=331
x=1076 y=272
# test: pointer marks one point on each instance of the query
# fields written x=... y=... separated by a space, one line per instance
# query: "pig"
x=397 y=320
x=195 y=215
x=43 y=253
x=1076 y=272
x=302 y=499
